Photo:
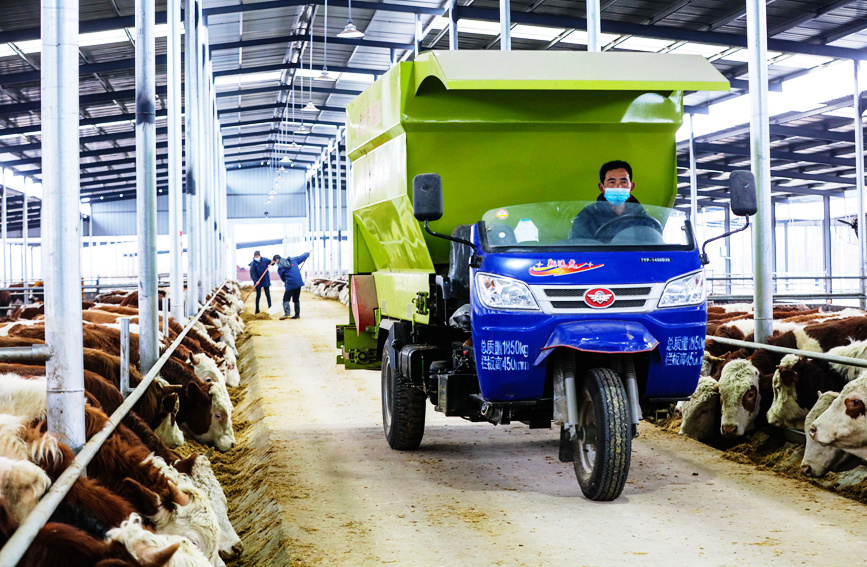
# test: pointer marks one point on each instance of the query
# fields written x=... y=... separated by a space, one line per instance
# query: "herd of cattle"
x=741 y=388
x=140 y=504
x=330 y=289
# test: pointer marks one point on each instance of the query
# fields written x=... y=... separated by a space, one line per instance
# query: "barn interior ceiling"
x=268 y=61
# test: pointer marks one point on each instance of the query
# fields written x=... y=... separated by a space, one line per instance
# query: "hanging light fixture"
x=324 y=75
x=286 y=159
x=293 y=146
x=310 y=107
x=350 y=31
x=282 y=169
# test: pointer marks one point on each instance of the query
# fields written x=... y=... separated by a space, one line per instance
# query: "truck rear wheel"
x=403 y=409
x=603 y=446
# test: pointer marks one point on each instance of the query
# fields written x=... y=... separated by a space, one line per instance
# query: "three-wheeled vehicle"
x=501 y=307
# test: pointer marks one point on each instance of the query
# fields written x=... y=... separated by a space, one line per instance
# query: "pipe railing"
x=20 y=541
x=859 y=362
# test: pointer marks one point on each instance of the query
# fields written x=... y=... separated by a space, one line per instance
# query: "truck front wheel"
x=403 y=409
x=603 y=446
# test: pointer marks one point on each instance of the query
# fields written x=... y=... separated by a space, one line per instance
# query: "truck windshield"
x=571 y=224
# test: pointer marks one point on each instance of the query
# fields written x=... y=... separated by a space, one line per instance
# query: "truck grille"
x=570 y=299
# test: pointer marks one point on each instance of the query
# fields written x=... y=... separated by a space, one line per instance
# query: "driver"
x=615 y=199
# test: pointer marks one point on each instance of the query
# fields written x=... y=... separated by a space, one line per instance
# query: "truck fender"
x=601 y=336
x=398 y=333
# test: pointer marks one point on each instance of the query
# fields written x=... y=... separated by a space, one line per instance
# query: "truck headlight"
x=498 y=292
x=686 y=290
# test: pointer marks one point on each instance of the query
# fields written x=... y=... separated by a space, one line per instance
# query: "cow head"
x=149 y=547
x=844 y=423
x=819 y=459
x=785 y=410
x=22 y=484
x=701 y=412
x=208 y=417
x=739 y=397
x=230 y=365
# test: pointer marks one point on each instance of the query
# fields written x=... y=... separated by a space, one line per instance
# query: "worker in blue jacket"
x=258 y=269
x=289 y=270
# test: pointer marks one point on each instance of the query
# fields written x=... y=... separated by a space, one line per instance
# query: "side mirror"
x=427 y=197
x=742 y=193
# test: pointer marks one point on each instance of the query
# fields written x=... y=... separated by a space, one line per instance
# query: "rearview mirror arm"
x=452 y=238
x=703 y=257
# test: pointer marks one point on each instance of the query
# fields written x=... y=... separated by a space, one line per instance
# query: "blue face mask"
x=616 y=196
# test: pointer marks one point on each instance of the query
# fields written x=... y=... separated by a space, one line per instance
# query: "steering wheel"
x=610 y=229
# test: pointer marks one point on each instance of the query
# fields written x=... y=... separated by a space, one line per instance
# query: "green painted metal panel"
x=503 y=128
x=537 y=70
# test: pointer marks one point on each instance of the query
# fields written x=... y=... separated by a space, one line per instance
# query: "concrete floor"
x=479 y=495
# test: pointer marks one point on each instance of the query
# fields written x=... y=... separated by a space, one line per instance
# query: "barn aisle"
x=478 y=495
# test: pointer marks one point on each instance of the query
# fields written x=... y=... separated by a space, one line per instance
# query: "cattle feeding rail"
x=27 y=531
x=859 y=362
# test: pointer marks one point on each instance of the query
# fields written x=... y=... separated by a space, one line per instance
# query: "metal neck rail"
x=859 y=362
x=20 y=541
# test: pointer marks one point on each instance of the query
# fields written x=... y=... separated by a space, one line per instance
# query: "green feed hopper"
x=503 y=128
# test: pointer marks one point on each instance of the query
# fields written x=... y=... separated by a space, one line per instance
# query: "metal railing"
x=859 y=362
x=20 y=541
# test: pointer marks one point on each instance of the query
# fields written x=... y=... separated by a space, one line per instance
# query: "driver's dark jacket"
x=592 y=217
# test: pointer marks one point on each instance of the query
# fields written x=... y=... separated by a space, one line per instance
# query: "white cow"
x=701 y=412
x=844 y=423
x=739 y=397
x=819 y=459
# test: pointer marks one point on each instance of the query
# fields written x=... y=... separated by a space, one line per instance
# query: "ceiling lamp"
x=282 y=169
x=325 y=76
x=286 y=159
x=309 y=107
x=350 y=31
x=293 y=146
x=303 y=129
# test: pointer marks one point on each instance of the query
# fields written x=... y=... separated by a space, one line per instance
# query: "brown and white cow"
x=795 y=384
x=844 y=423
x=820 y=459
x=740 y=397
x=701 y=413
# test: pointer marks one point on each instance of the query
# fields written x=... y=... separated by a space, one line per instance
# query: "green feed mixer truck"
x=499 y=274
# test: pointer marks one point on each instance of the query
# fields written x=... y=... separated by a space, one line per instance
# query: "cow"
x=134 y=536
x=795 y=383
x=205 y=412
x=22 y=484
x=701 y=413
x=837 y=332
x=741 y=397
x=856 y=349
x=844 y=424
x=820 y=459
x=61 y=544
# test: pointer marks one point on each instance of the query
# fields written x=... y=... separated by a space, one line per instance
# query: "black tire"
x=403 y=409
x=602 y=460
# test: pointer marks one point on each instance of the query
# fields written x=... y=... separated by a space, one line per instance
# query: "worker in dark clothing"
x=615 y=200
x=289 y=270
x=258 y=267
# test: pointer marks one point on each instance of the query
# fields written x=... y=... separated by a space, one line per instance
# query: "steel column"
x=417 y=39
x=728 y=247
x=176 y=196
x=859 y=184
x=146 y=183
x=505 y=25
x=693 y=179
x=760 y=142
x=453 y=27
x=594 y=26
x=25 y=234
x=330 y=215
x=350 y=227
x=827 y=259
x=124 y=356
x=338 y=209
x=60 y=228
x=191 y=97
x=6 y=264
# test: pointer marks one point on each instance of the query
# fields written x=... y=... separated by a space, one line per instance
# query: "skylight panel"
x=744 y=57
x=803 y=61
x=702 y=49
x=103 y=38
x=522 y=31
x=478 y=27
x=644 y=44
x=578 y=37
x=357 y=77
x=247 y=78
